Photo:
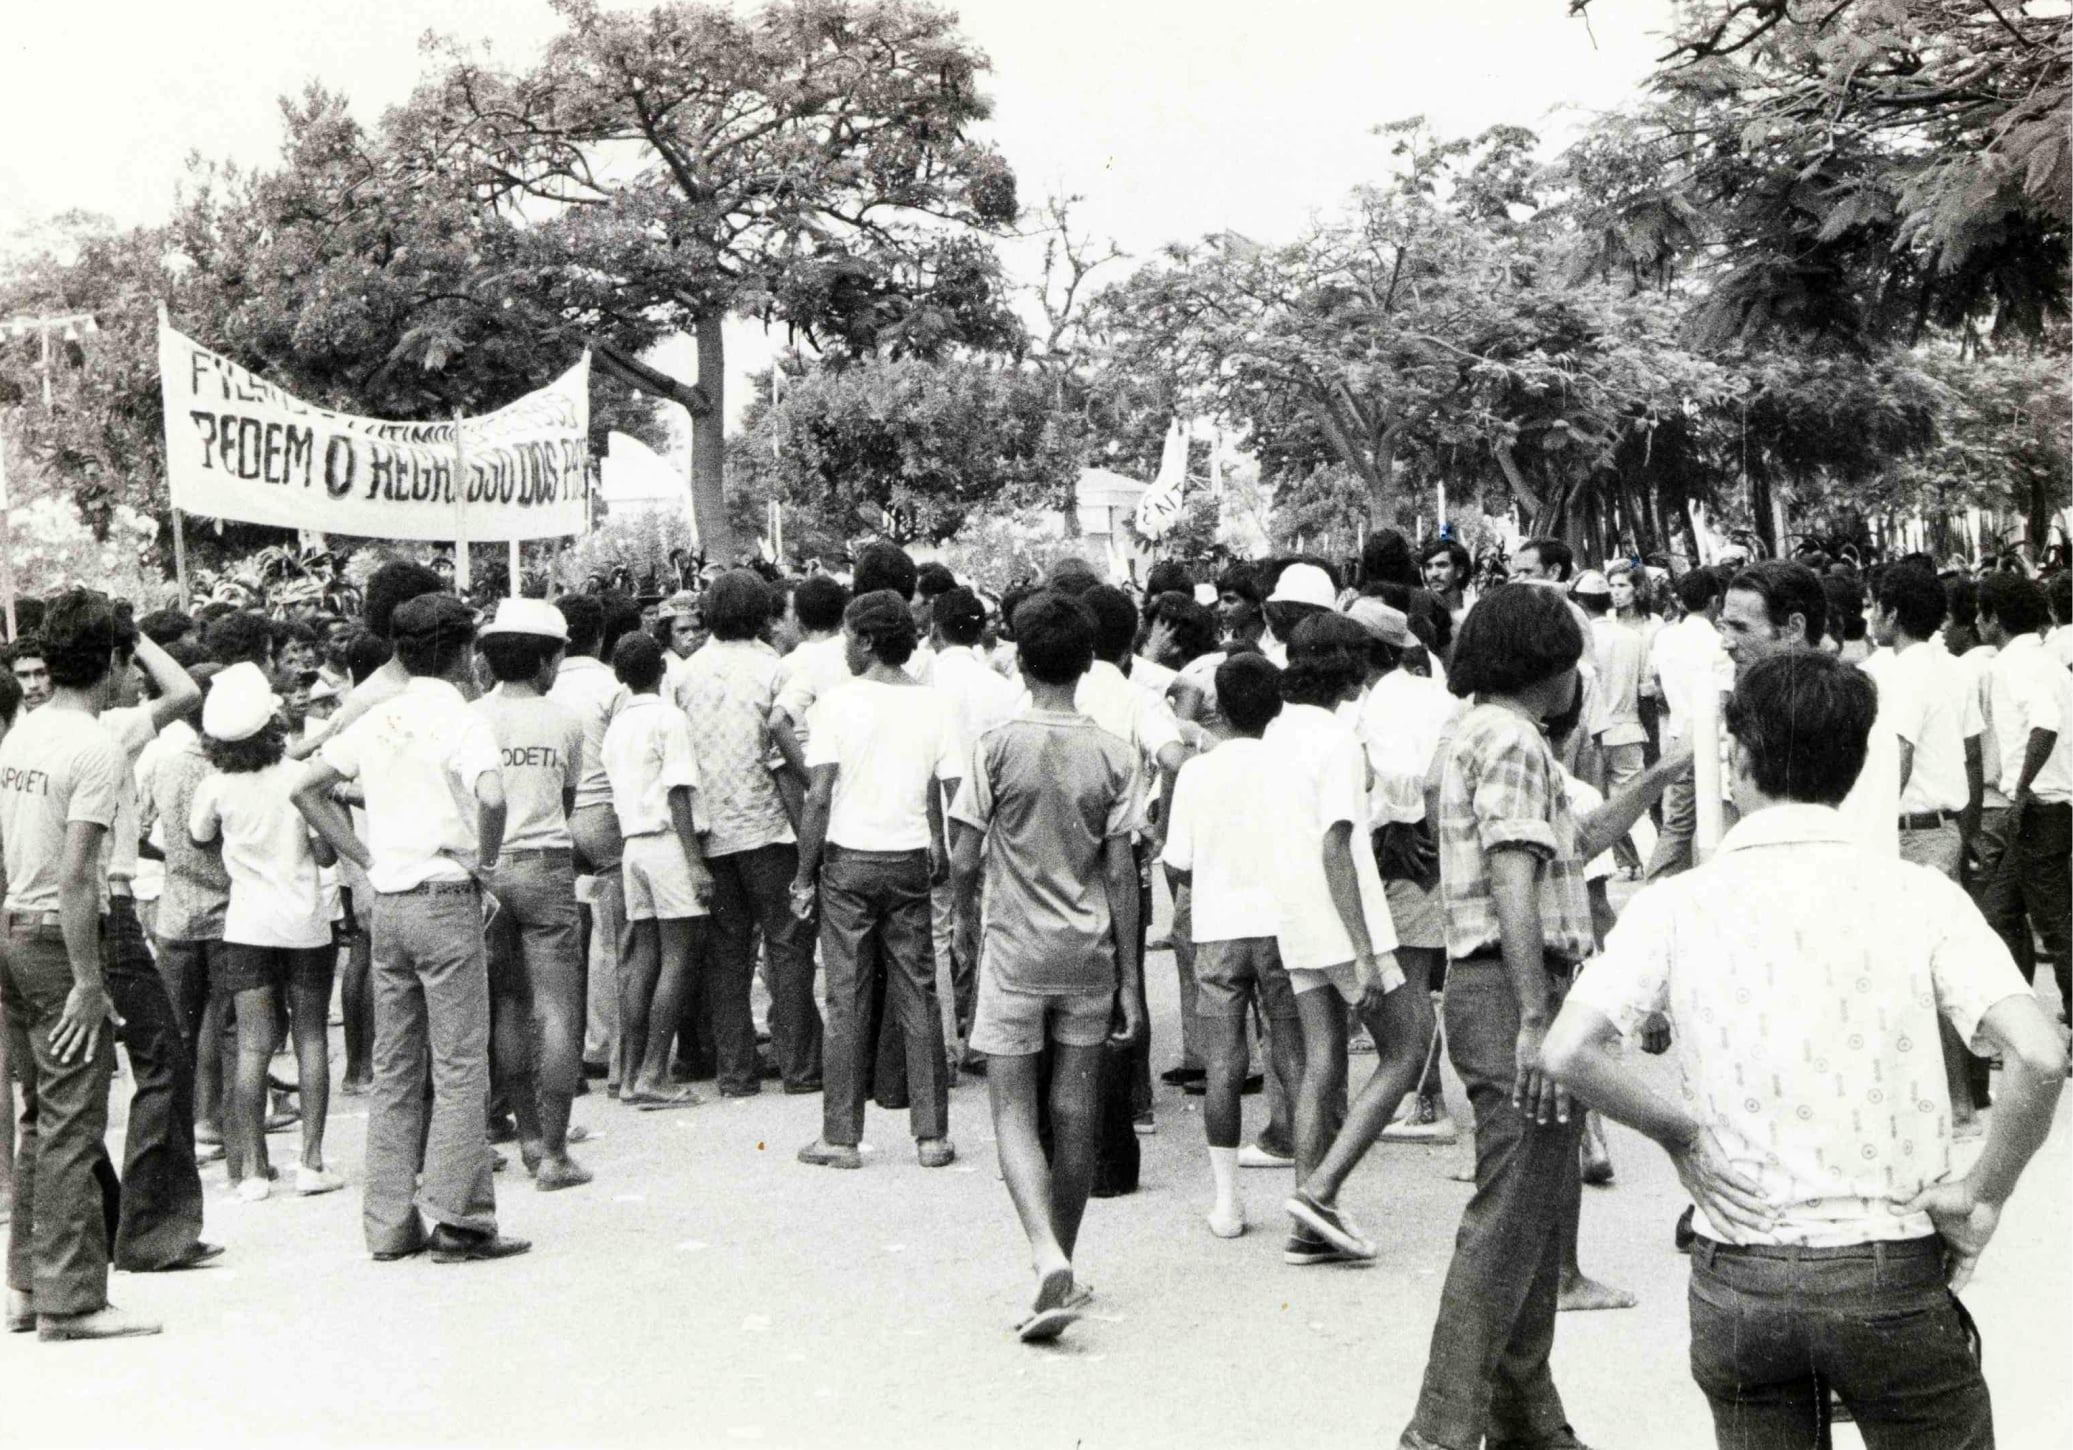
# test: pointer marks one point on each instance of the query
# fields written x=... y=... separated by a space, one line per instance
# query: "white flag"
x=1160 y=507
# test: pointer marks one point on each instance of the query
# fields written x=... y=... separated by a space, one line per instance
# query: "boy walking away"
x=277 y=946
x=870 y=844
x=654 y=775
x=536 y=972
x=428 y=768
x=1222 y=810
x=1048 y=805
x=60 y=775
x=1335 y=934
x=1835 y=1230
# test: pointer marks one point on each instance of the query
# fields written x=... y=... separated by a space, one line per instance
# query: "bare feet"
x=1579 y=1294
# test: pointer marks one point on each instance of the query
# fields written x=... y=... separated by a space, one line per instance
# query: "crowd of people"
x=918 y=830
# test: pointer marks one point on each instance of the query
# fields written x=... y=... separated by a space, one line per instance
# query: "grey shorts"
x=1008 y=1023
x=1230 y=973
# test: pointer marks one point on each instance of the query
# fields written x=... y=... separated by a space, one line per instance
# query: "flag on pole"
x=1160 y=507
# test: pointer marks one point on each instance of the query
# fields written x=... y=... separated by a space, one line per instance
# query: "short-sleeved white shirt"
x=1222 y=813
x=983 y=698
x=1925 y=696
x=1804 y=978
x=276 y=897
x=2031 y=690
x=647 y=755
x=1401 y=722
x=1318 y=777
x=540 y=745
x=57 y=767
x=418 y=756
x=888 y=743
x=587 y=689
x=806 y=674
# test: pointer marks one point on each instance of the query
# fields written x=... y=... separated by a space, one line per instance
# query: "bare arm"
x=813 y=837
x=2041 y=745
x=1967 y=1212
x=1975 y=788
x=1515 y=892
x=939 y=847
x=490 y=812
x=79 y=918
x=1170 y=760
x=1609 y=824
x=685 y=820
x=177 y=691
x=786 y=736
x=1345 y=888
x=1119 y=876
x=326 y=817
x=966 y=843
x=1579 y=1054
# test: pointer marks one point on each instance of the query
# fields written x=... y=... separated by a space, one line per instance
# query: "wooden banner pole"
x=180 y=559
x=517 y=579
x=461 y=576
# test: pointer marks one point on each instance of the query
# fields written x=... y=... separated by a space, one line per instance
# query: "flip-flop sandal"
x=648 y=1103
x=1045 y=1327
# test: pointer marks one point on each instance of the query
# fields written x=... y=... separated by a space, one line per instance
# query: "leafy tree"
x=1861 y=170
x=907 y=447
x=803 y=164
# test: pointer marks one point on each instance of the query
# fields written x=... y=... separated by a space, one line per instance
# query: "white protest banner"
x=238 y=447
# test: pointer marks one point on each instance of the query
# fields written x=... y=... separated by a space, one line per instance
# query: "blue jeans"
x=536 y=975
x=875 y=934
x=161 y=1182
x=1773 y=1329
x=431 y=1018
x=57 y=1250
x=1487 y=1373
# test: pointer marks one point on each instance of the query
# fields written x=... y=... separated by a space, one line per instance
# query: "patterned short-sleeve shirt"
x=1500 y=786
x=726 y=690
x=1803 y=977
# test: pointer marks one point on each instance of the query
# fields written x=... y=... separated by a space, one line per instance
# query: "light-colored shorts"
x=1008 y=1023
x=1416 y=913
x=658 y=879
x=1229 y=974
x=1341 y=975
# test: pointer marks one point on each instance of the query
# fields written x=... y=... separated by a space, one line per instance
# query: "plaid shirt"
x=1500 y=786
x=196 y=888
x=726 y=690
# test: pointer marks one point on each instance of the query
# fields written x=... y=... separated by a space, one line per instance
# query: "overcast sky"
x=1171 y=119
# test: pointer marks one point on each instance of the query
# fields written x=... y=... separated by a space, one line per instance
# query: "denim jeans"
x=1488 y=1373
x=431 y=1016
x=536 y=975
x=57 y=1248
x=752 y=888
x=875 y=932
x=161 y=1183
x=2031 y=889
x=1774 y=1329
x=1673 y=851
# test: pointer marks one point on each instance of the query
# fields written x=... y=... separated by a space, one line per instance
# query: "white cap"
x=1206 y=595
x=1391 y=626
x=1591 y=582
x=528 y=616
x=1304 y=584
x=239 y=705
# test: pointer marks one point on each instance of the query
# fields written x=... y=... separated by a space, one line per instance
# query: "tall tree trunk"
x=709 y=445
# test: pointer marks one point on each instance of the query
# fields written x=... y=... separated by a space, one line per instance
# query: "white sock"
x=1223 y=1170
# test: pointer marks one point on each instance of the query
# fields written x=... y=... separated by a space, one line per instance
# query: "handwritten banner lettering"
x=238 y=447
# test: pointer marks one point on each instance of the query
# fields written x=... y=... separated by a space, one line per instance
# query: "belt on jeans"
x=52 y=919
x=1706 y=1250
x=536 y=853
x=434 y=888
x=1926 y=820
x=861 y=855
x=1556 y=966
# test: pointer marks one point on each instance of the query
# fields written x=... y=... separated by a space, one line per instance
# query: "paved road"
x=707 y=1290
